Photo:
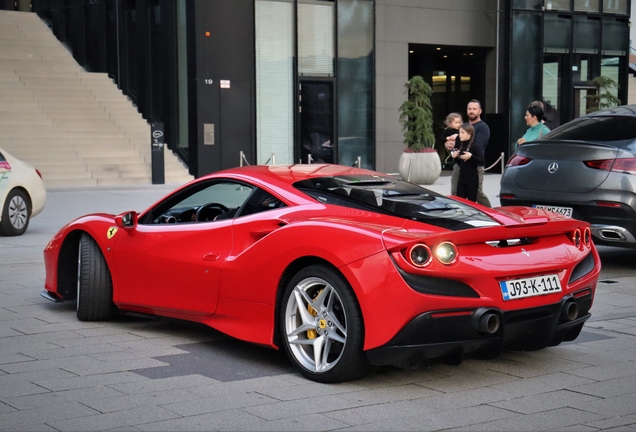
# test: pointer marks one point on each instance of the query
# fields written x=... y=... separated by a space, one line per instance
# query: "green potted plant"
x=420 y=162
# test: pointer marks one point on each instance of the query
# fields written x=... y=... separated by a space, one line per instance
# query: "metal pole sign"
x=157 y=141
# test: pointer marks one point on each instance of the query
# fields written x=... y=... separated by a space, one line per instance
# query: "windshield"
x=597 y=128
x=393 y=196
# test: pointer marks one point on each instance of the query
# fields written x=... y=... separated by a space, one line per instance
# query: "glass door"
x=557 y=89
x=582 y=103
x=316 y=121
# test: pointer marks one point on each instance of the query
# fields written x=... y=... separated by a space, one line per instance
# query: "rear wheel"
x=322 y=326
x=94 y=284
x=15 y=214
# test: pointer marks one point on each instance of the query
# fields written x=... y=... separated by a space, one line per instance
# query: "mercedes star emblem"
x=553 y=167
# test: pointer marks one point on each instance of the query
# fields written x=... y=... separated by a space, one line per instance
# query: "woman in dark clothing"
x=468 y=162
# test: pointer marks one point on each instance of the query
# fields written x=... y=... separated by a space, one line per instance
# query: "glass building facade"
x=298 y=81
x=557 y=48
x=300 y=73
x=314 y=81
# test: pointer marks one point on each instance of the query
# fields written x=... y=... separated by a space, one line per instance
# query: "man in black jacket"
x=482 y=135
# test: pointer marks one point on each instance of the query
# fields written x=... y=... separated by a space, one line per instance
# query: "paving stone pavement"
x=140 y=373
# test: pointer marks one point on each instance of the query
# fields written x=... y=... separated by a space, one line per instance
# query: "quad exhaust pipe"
x=570 y=311
x=486 y=321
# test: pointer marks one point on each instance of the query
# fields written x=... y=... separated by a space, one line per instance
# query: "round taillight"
x=446 y=253
x=587 y=237
x=576 y=238
x=419 y=255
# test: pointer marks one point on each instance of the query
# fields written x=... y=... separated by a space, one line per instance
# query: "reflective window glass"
x=615 y=6
x=551 y=80
x=583 y=104
x=274 y=33
x=560 y=5
x=550 y=93
x=395 y=197
x=584 y=68
x=525 y=77
x=316 y=40
x=557 y=31
x=527 y=4
x=615 y=36
x=182 y=71
x=611 y=68
x=201 y=202
x=586 y=5
x=355 y=83
x=439 y=82
x=586 y=35
x=260 y=201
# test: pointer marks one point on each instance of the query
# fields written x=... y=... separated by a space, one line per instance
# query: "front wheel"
x=94 y=283
x=15 y=214
x=322 y=326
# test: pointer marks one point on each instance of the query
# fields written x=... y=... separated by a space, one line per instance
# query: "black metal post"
x=158 y=171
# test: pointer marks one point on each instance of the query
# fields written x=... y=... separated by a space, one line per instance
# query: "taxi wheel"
x=94 y=284
x=321 y=326
x=15 y=214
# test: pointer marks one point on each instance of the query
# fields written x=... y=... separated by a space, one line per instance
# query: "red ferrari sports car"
x=343 y=268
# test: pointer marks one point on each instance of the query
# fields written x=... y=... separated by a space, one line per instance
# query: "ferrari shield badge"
x=111 y=232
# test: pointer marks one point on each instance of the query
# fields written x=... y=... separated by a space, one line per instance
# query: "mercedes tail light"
x=517 y=160
x=623 y=165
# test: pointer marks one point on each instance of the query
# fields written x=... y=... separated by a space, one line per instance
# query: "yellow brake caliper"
x=312 y=334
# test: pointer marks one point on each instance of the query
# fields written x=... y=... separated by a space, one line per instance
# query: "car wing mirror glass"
x=127 y=220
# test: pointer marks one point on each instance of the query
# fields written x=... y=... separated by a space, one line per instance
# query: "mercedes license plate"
x=529 y=287
x=564 y=211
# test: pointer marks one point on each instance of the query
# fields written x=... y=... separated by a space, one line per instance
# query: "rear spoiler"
x=410 y=233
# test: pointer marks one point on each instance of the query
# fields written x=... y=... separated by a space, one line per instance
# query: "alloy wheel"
x=18 y=212
x=316 y=325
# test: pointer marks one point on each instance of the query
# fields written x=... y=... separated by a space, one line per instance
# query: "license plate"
x=529 y=287
x=564 y=211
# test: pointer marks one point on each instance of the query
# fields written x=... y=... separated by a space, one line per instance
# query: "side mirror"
x=127 y=220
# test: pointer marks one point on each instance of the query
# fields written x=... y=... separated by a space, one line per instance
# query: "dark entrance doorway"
x=456 y=74
x=316 y=121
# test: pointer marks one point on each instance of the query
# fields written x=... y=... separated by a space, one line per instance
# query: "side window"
x=261 y=201
x=202 y=202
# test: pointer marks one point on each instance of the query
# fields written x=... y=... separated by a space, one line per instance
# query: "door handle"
x=211 y=256
x=257 y=234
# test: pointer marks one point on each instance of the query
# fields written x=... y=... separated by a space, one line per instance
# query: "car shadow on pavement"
x=224 y=360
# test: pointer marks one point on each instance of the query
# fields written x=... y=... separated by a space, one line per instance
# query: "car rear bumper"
x=613 y=226
x=447 y=333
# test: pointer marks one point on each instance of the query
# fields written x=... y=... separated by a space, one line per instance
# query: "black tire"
x=319 y=313
x=94 y=284
x=16 y=213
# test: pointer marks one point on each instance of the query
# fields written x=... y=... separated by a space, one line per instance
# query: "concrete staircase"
x=76 y=127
